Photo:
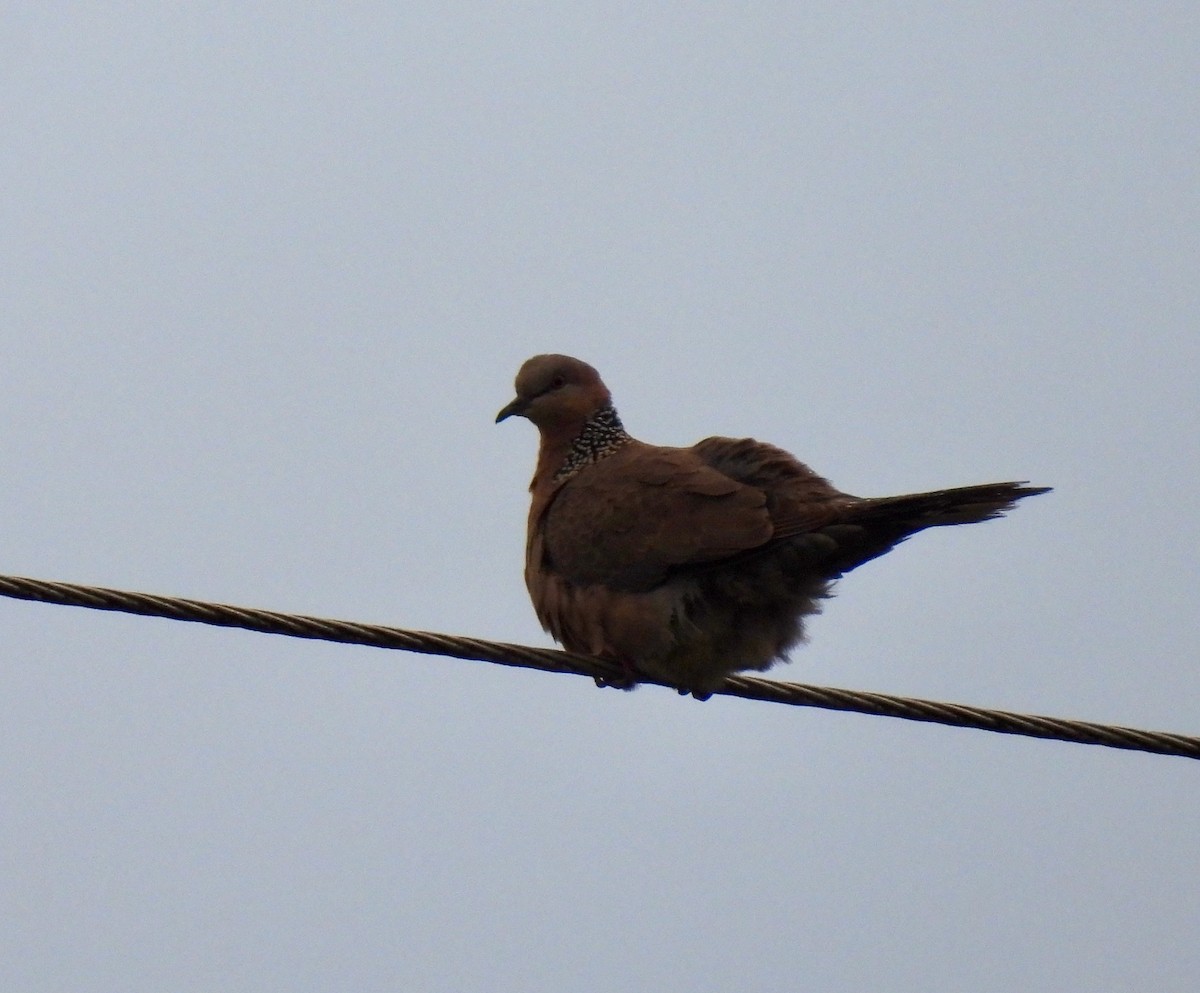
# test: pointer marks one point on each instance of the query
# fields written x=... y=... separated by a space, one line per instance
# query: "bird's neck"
x=560 y=457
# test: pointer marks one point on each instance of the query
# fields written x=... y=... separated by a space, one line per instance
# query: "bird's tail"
x=939 y=508
x=872 y=526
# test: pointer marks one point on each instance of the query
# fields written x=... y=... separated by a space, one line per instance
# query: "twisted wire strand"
x=552 y=660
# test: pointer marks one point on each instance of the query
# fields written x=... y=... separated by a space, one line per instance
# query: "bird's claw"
x=627 y=680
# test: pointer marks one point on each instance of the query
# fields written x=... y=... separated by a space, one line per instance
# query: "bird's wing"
x=629 y=519
x=798 y=500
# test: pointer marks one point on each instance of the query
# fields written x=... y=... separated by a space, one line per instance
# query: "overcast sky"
x=266 y=273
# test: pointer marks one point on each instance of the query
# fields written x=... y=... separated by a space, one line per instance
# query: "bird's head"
x=557 y=393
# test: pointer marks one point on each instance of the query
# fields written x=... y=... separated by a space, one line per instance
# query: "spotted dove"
x=685 y=565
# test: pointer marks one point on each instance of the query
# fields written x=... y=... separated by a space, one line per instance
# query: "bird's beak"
x=516 y=408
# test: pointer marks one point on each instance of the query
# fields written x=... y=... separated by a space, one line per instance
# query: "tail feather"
x=871 y=527
x=961 y=505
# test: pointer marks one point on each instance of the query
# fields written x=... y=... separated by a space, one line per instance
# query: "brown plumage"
x=688 y=564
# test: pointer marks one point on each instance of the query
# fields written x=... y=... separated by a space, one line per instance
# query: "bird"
x=685 y=566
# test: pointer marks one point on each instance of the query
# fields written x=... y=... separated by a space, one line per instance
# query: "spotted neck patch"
x=602 y=435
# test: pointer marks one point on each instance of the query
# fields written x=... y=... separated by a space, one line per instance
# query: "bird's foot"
x=627 y=679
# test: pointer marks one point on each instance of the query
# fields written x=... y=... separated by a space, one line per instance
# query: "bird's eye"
x=558 y=382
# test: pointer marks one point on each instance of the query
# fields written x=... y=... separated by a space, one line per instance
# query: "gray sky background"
x=266 y=274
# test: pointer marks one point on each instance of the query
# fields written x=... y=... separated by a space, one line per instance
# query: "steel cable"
x=551 y=660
